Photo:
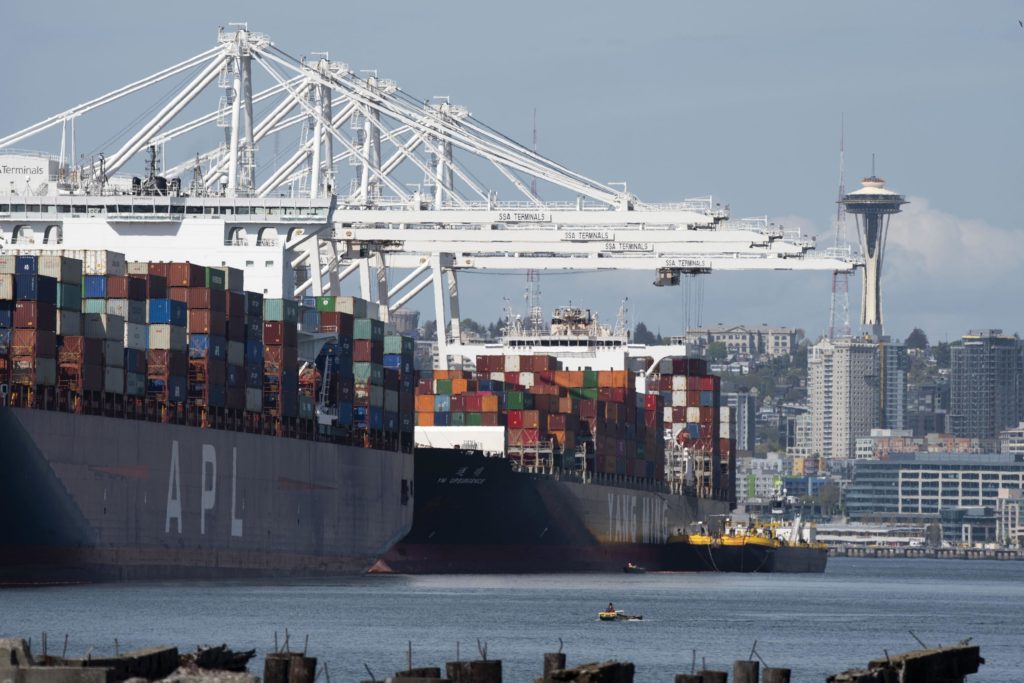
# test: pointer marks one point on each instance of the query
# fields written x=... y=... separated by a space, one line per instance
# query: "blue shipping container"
x=235 y=376
x=707 y=398
x=207 y=346
x=173 y=390
x=6 y=314
x=168 y=312
x=26 y=264
x=5 y=341
x=135 y=361
x=254 y=352
x=394 y=360
x=28 y=287
x=442 y=403
x=345 y=413
x=442 y=419
x=254 y=376
x=94 y=287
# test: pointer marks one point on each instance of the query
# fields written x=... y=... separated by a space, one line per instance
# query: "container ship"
x=536 y=462
x=158 y=421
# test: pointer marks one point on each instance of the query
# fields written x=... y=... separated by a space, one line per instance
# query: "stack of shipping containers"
x=87 y=332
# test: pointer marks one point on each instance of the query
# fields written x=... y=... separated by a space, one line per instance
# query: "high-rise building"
x=843 y=388
x=986 y=383
x=894 y=368
x=742 y=406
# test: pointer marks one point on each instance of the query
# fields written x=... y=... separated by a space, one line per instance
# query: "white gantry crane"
x=304 y=173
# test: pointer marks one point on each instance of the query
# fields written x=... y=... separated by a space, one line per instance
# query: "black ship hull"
x=88 y=498
x=475 y=514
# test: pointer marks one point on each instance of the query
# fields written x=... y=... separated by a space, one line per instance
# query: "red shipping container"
x=161 y=362
x=651 y=401
x=204 y=297
x=162 y=269
x=186 y=275
x=205 y=321
x=80 y=351
x=515 y=419
x=708 y=383
x=37 y=343
x=278 y=333
x=178 y=294
x=277 y=357
x=366 y=351
x=126 y=287
x=692 y=383
x=81 y=377
x=35 y=315
x=235 y=306
x=491 y=419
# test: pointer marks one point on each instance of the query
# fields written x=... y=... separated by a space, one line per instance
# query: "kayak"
x=618 y=615
x=631 y=568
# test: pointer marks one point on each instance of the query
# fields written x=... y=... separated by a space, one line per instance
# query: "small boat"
x=618 y=615
x=631 y=568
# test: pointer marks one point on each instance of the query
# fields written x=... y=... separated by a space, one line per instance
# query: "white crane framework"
x=420 y=190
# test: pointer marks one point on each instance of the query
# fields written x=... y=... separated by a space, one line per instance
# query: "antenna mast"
x=839 y=313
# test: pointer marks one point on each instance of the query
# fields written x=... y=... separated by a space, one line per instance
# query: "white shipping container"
x=6 y=286
x=62 y=268
x=102 y=262
x=350 y=304
x=236 y=353
x=134 y=384
x=69 y=323
x=113 y=380
x=512 y=364
x=526 y=379
x=724 y=414
x=113 y=353
x=679 y=398
x=666 y=414
x=253 y=400
x=693 y=414
x=724 y=431
x=136 y=336
x=7 y=265
x=234 y=279
x=167 y=337
x=103 y=326
x=131 y=311
x=391 y=400
x=498 y=376
x=678 y=382
x=138 y=267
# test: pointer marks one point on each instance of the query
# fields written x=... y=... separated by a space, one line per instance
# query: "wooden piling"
x=745 y=671
x=275 y=667
x=689 y=678
x=713 y=676
x=420 y=672
x=773 y=675
x=480 y=671
x=301 y=669
x=553 y=661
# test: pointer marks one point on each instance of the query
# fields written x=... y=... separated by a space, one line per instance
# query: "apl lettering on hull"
x=208 y=491
x=635 y=518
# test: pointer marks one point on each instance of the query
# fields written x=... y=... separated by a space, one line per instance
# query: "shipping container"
x=168 y=337
x=168 y=312
x=61 y=268
x=281 y=310
x=103 y=326
x=35 y=315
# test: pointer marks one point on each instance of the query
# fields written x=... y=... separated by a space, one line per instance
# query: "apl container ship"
x=156 y=421
x=536 y=462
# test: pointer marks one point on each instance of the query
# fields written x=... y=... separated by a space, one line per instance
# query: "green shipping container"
x=586 y=393
x=369 y=373
x=325 y=304
x=306 y=408
x=215 y=279
x=458 y=419
x=69 y=297
x=474 y=419
x=276 y=310
x=514 y=400
x=399 y=345
x=443 y=387
x=364 y=328
x=94 y=306
x=589 y=379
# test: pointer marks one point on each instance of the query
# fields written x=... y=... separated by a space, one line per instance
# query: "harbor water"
x=814 y=624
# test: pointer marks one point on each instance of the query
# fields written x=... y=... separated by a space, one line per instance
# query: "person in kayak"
x=611 y=608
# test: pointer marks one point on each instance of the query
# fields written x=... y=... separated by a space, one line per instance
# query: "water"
x=816 y=625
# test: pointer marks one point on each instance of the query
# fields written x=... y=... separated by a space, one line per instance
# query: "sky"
x=739 y=100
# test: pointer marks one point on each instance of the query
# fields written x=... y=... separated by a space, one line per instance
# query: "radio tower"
x=839 y=312
x=534 y=312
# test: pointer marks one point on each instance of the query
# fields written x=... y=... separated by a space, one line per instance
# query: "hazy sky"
x=740 y=100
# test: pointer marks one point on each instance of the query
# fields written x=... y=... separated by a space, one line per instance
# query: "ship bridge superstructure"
x=306 y=172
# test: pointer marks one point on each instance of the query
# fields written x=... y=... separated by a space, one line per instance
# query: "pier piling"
x=745 y=671
x=480 y=671
x=689 y=678
x=553 y=661
x=713 y=676
x=774 y=675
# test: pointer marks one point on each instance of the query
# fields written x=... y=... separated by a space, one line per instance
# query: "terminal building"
x=960 y=490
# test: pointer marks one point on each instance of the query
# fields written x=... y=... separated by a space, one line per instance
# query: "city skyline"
x=678 y=101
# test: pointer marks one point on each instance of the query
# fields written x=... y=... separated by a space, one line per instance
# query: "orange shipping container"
x=489 y=404
x=425 y=403
x=424 y=419
x=459 y=385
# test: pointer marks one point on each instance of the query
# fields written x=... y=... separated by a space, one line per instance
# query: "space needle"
x=872 y=204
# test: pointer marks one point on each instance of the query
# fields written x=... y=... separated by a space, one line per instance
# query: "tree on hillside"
x=942 y=355
x=641 y=335
x=917 y=339
x=717 y=351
